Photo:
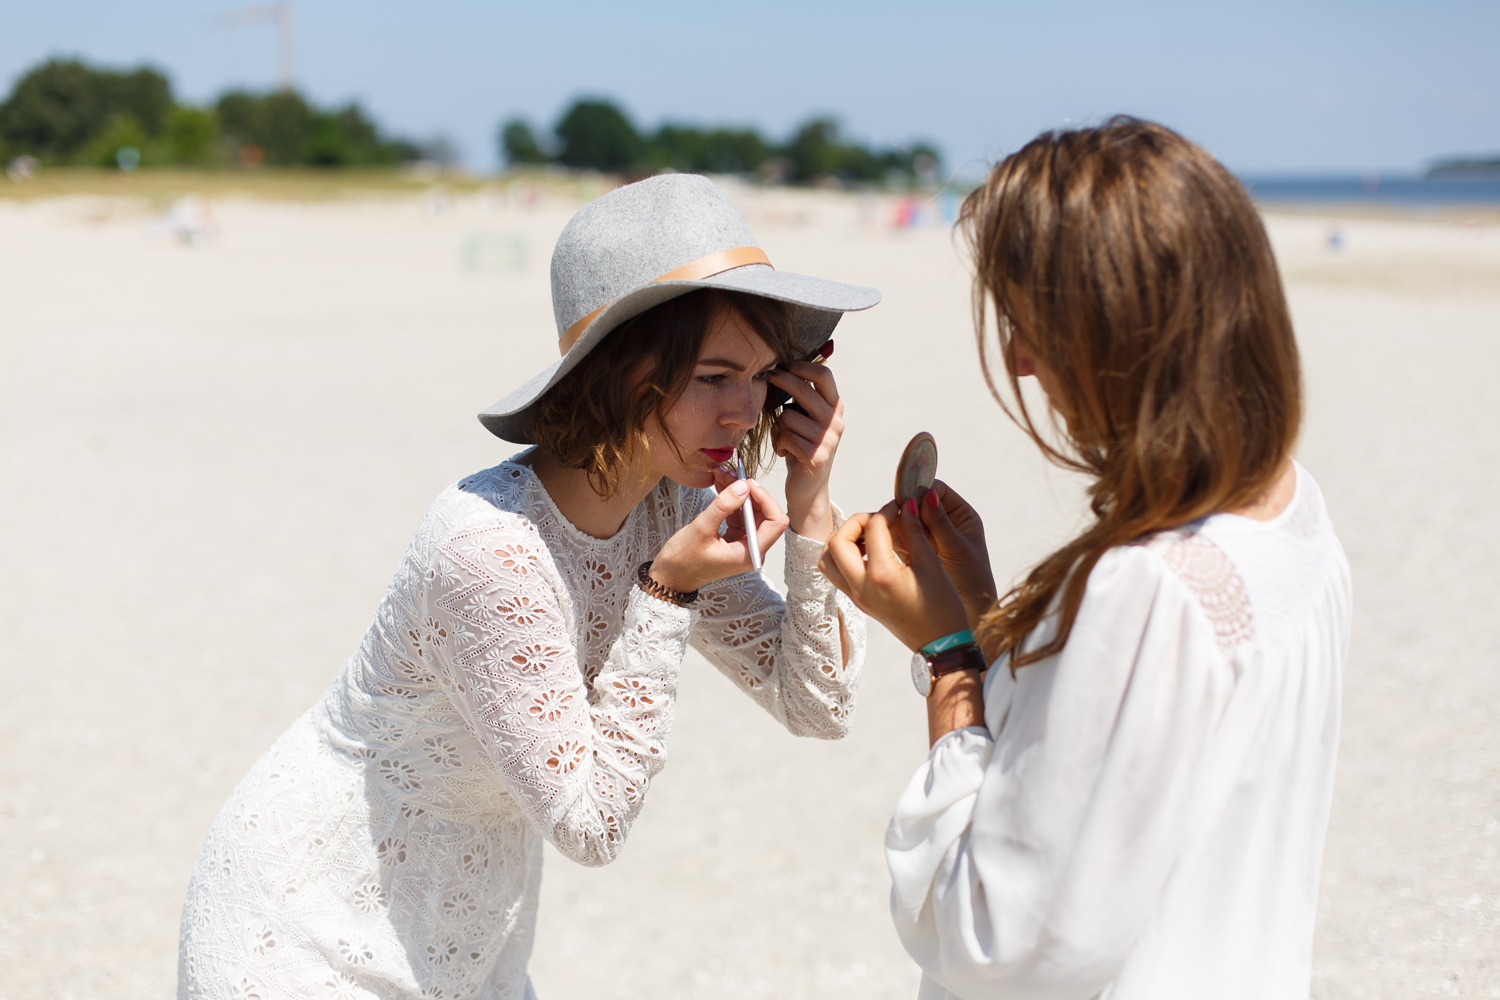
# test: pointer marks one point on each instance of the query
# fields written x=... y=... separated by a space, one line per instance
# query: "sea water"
x=1408 y=191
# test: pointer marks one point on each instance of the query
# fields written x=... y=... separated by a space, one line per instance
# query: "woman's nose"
x=745 y=410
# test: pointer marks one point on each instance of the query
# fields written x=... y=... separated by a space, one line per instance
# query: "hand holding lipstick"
x=713 y=545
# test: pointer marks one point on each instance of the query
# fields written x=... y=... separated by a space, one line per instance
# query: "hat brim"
x=820 y=304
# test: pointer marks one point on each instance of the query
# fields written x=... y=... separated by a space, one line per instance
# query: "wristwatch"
x=926 y=668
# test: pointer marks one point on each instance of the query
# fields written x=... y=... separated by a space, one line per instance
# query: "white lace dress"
x=514 y=687
x=1143 y=814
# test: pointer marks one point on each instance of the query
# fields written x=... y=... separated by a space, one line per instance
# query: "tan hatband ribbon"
x=703 y=267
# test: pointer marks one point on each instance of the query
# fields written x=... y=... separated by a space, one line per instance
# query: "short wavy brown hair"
x=593 y=420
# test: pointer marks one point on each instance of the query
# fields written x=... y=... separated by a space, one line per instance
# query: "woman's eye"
x=766 y=375
x=712 y=379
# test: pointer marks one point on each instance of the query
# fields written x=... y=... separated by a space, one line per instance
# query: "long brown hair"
x=595 y=420
x=1135 y=270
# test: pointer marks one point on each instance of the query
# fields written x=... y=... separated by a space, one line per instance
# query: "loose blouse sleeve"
x=1027 y=855
x=786 y=653
x=578 y=766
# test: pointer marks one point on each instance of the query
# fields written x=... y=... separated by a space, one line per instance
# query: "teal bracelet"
x=948 y=642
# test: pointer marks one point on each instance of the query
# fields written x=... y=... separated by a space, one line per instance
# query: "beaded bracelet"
x=650 y=586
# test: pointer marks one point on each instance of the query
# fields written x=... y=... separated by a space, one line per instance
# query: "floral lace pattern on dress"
x=1214 y=580
x=514 y=686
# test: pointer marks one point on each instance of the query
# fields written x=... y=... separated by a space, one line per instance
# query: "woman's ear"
x=1021 y=361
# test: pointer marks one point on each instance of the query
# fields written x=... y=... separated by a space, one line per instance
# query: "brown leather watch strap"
x=966 y=657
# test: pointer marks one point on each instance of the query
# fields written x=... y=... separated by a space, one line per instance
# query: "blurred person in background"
x=518 y=681
x=1132 y=751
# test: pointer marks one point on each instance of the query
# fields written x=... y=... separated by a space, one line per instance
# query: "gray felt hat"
x=648 y=242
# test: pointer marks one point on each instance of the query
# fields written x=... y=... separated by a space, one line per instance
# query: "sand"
x=214 y=452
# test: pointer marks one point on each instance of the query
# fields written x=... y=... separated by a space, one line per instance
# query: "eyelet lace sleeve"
x=578 y=757
x=785 y=653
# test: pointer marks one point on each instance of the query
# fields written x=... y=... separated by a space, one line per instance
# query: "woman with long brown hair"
x=1131 y=765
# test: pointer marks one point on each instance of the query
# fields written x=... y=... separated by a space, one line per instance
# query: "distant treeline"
x=1461 y=167
x=66 y=113
x=595 y=134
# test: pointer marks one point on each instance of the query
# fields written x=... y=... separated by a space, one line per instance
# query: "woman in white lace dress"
x=517 y=683
x=1131 y=801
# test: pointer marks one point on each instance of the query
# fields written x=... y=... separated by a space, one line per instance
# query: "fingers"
x=880 y=549
x=770 y=520
x=843 y=562
x=957 y=509
x=816 y=427
x=812 y=386
x=892 y=514
x=725 y=513
x=920 y=552
x=793 y=446
x=821 y=376
x=726 y=502
x=935 y=518
x=812 y=441
x=914 y=601
x=766 y=507
x=830 y=569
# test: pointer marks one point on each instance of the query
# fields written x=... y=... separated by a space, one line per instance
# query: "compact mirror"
x=917 y=468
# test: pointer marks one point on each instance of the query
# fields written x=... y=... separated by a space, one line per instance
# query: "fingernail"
x=740 y=487
x=932 y=498
x=911 y=506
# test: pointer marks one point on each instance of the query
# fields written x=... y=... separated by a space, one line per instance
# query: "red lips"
x=718 y=455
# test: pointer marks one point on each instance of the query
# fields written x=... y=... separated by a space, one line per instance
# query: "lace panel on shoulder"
x=1212 y=577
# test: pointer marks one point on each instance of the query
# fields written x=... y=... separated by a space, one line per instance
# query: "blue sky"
x=1274 y=86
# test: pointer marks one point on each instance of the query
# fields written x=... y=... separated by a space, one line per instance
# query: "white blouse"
x=1142 y=815
x=515 y=687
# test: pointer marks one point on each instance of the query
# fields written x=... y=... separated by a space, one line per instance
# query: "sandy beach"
x=220 y=424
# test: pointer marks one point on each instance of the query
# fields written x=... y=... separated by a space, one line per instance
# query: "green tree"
x=285 y=128
x=814 y=151
x=731 y=151
x=144 y=94
x=518 y=144
x=596 y=135
x=817 y=151
x=122 y=131
x=676 y=147
x=344 y=138
x=58 y=110
x=292 y=132
x=190 y=137
x=856 y=163
x=720 y=151
x=280 y=123
x=65 y=111
x=53 y=111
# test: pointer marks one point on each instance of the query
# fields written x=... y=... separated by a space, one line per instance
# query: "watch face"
x=921 y=674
